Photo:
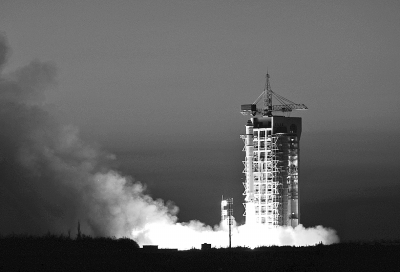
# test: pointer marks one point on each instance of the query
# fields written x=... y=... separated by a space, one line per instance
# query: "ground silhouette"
x=84 y=253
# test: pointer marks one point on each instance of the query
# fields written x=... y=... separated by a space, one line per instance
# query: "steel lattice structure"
x=271 y=164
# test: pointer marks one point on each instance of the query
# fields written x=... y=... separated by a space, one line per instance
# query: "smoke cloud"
x=50 y=179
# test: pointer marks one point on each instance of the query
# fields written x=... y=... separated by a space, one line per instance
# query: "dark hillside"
x=53 y=253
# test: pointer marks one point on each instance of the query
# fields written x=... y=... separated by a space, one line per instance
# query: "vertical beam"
x=267 y=111
x=249 y=200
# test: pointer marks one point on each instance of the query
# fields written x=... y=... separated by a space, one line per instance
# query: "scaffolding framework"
x=271 y=175
x=267 y=183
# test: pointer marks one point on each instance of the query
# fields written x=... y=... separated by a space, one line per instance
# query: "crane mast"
x=267 y=97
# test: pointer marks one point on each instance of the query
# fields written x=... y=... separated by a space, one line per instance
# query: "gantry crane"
x=285 y=106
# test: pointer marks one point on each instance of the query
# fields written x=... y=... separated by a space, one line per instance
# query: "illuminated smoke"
x=167 y=234
x=50 y=180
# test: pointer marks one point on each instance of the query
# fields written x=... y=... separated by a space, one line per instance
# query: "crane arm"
x=289 y=107
x=259 y=98
x=285 y=106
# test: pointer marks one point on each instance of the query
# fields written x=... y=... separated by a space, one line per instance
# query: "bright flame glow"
x=193 y=234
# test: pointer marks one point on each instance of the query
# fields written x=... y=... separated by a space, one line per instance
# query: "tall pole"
x=267 y=98
x=230 y=221
x=227 y=215
x=230 y=231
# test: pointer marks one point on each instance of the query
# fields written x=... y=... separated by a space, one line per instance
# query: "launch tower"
x=271 y=165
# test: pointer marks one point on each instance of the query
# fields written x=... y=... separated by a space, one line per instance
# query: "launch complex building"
x=271 y=165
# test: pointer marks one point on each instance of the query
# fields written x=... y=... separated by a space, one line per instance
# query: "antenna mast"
x=227 y=215
x=267 y=97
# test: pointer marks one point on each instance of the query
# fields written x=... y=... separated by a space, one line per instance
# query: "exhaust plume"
x=51 y=179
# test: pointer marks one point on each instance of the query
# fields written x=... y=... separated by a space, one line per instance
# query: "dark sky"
x=160 y=83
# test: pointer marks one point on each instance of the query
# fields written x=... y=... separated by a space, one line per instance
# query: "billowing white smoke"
x=50 y=180
x=169 y=234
